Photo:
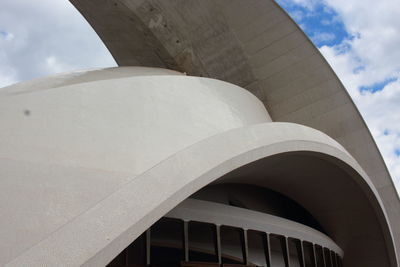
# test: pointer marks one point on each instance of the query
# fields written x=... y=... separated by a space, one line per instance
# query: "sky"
x=359 y=39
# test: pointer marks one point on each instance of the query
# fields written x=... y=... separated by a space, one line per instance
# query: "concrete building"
x=224 y=137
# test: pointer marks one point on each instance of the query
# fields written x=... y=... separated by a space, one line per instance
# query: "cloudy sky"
x=360 y=39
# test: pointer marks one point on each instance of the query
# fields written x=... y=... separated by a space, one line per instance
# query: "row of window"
x=172 y=242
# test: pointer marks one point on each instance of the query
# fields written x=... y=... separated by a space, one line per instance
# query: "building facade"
x=222 y=139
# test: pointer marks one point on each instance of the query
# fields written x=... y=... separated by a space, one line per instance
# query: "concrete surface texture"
x=105 y=228
x=255 y=45
x=90 y=160
x=108 y=131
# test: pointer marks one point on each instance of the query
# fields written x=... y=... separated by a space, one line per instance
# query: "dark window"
x=277 y=250
x=166 y=237
x=334 y=259
x=257 y=247
x=232 y=245
x=295 y=255
x=328 y=258
x=136 y=252
x=308 y=254
x=202 y=242
x=320 y=256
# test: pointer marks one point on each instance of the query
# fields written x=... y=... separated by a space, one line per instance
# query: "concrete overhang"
x=83 y=156
x=253 y=44
x=106 y=228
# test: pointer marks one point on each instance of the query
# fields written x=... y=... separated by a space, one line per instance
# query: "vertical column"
x=267 y=247
x=335 y=259
x=186 y=239
x=301 y=255
x=314 y=251
x=148 y=235
x=331 y=257
x=324 y=258
x=218 y=242
x=245 y=247
x=285 y=250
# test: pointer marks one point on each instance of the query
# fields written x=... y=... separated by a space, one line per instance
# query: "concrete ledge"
x=108 y=227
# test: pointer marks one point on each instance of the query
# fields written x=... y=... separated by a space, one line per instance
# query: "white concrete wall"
x=102 y=231
x=253 y=44
x=67 y=142
x=86 y=167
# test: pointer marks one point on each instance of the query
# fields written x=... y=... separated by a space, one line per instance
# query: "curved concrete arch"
x=253 y=44
x=106 y=153
x=70 y=141
x=109 y=226
x=72 y=122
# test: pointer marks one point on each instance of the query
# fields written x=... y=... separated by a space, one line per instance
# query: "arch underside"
x=280 y=156
x=253 y=44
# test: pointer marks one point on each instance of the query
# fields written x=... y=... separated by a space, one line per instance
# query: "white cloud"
x=309 y=4
x=382 y=112
x=6 y=36
x=43 y=37
x=331 y=21
x=297 y=15
x=7 y=77
x=323 y=37
x=372 y=57
x=53 y=65
x=369 y=58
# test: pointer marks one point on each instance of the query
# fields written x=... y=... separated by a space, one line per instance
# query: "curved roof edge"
x=103 y=231
x=83 y=76
x=253 y=44
x=279 y=63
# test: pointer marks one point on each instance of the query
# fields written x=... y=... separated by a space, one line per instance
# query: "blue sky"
x=361 y=45
x=325 y=27
x=359 y=42
x=322 y=25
